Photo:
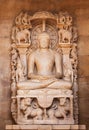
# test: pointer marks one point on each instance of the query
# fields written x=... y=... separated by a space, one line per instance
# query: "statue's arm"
x=58 y=65
x=31 y=63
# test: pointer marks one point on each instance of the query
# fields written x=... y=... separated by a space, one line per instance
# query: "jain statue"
x=44 y=61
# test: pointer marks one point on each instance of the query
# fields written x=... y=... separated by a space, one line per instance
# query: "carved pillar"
x=22 y=48
x=67 y=67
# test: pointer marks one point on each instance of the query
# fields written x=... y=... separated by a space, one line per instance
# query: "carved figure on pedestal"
x=31 y=109
x=19 y=71
x=68 y=20
x=37 y=112
x=68 y=73
x=61 y=110
x=26 y=107
x=51 y=111
x=18 y=19
x=25 y=19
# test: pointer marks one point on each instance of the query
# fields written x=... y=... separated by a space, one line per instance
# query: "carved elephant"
x=65 y=35
x=23 y=35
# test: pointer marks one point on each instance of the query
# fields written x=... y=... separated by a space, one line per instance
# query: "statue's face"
x=44 y=42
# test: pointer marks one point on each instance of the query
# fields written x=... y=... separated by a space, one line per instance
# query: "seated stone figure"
x=44 y=60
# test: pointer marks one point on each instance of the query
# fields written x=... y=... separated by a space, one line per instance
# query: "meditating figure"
x=44 y=68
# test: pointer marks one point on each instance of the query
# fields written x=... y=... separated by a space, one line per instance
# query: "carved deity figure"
x=25 y=19
x=18 y=19
x=44 y=60
x=19 y=71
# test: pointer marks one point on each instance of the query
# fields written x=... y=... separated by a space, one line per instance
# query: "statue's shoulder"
x=33 y=53
x=54 y=52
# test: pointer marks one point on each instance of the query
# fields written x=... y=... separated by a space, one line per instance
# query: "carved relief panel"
x=41 y=106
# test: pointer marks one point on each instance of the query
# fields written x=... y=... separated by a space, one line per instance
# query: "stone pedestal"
x=44 y=101
x=45 y=127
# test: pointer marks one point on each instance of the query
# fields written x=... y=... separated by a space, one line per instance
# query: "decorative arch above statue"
x=42 y=96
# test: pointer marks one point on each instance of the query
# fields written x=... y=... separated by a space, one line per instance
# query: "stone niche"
x=44 y=72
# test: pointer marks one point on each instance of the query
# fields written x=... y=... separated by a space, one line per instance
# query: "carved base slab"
x=45 y=127
x=44 y=107
x=42 y=122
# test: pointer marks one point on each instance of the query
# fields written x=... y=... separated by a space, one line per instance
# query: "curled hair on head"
x=44 y=34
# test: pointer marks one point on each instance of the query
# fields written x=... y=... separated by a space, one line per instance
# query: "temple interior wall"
x=79 y=9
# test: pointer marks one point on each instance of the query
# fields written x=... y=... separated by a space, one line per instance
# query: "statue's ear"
x=50 y=44
x=38 y=43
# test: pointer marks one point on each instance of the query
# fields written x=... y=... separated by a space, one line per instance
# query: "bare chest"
x=44 y=60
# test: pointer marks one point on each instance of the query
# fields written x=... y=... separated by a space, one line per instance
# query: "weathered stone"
x=9 y=9
x=41 y=85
